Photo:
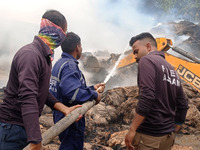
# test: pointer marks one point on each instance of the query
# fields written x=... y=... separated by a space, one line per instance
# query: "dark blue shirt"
x=68 y=83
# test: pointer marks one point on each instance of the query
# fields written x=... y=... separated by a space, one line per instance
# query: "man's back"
x=160 y=92
x=30 y=70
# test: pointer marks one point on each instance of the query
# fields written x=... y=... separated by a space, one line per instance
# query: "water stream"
x=112 y=72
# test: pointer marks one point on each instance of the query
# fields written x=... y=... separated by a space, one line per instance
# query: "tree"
x=180 y=9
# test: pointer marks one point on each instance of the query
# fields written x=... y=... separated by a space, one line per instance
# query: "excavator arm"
x=187 y=70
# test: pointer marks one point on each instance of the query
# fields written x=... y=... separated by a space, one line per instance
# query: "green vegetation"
x=184 y=9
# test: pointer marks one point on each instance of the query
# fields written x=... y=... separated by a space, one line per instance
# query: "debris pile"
x=108 y=122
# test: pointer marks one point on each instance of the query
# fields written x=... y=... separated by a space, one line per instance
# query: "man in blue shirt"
x=68 y=85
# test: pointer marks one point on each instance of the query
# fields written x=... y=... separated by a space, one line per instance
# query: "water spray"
x=112 y=72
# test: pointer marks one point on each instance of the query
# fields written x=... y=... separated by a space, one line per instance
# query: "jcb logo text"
x=189 y=76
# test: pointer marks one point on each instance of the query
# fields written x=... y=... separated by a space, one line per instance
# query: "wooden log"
x=64 y=123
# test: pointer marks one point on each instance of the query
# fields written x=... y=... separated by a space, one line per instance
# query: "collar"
x=160 y=53
x=43 y=48
x=66 y=55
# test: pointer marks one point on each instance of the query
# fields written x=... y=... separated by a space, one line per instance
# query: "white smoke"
x=102 y=25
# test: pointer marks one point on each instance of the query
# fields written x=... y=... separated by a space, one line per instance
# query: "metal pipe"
x=186 y=54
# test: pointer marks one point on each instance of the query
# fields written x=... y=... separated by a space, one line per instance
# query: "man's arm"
x=181 y=109
x=74 y=89
x=137 y=120
x=28 y=67
x=53 y=103
x=147 y=86
x=99 y=88
x=146 y=81
x=35 y=146
x=64 y=109
x=51 y=100
x=177 y=128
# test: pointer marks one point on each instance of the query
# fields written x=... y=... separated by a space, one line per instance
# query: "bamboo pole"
x=64 y=123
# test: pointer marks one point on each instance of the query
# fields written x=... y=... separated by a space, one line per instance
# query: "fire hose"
x=64 y=123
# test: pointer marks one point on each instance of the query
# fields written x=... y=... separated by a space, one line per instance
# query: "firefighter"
x=69 y=86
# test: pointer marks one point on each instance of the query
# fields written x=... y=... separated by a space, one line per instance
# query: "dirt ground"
x=108 y=122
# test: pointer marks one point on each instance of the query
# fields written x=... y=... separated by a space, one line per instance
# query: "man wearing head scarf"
x=27 y=91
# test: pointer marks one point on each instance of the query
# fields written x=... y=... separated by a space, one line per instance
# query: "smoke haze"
x=102 y=25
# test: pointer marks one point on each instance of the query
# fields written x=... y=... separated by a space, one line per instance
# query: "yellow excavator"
x=188 y=70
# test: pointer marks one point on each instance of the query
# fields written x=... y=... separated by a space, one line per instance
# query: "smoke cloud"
x=102 y=25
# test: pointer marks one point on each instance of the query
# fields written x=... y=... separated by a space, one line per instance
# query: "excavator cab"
x=188 y=70
x=163 y=44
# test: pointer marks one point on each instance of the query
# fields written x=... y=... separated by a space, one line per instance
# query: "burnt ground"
x=108 y=122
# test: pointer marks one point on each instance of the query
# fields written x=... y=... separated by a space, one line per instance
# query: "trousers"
x=12 y=137
x=147 y=142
